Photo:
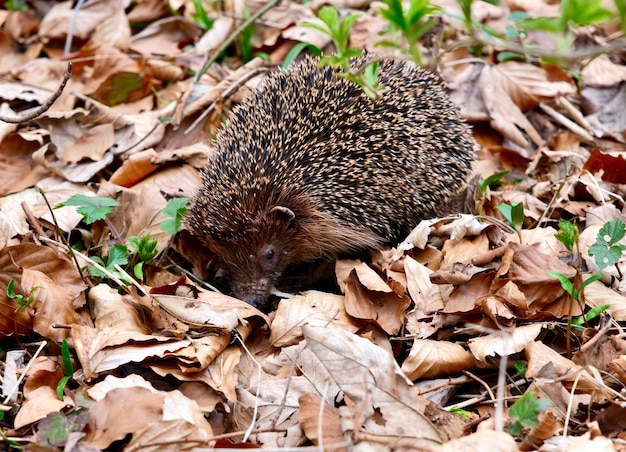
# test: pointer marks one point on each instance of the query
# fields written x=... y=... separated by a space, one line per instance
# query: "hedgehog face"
x=256 y=261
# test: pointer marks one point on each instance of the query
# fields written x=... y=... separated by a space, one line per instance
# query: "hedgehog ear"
x=283 y=213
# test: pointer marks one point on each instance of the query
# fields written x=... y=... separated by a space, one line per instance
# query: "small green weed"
x=22 y=301
x=606 y=251
x=174 y=210
x=525 y=412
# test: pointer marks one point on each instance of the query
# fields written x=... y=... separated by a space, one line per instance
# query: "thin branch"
x=41 y=110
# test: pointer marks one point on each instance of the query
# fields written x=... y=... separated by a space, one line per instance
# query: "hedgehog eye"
x=269 y=254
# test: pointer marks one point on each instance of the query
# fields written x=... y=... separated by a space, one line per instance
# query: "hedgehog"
x=309 y=168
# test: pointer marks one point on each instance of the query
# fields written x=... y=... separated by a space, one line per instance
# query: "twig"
x=226 y=94
x=41 y=110
x=221 y=49
x=24 y=372
x=59 y=232
x=70 y=32
x=568 y=123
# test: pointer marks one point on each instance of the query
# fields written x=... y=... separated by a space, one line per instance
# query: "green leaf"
x=590 y=315
x=144 y=248
x=613 y=231
x=591 y=279
x=175 y=209
x=92 y=208
x=297 y=50
x=494 y=180
x=568 y=235
x=521 y=367
x=54 y=430
x=61 y=386
x=67 y=359
x=605 y=255
x=513 y=213
x=567 y=285
x=526 y=409
x=138 y=270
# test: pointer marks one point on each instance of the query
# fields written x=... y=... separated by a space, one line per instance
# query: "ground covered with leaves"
x=499 y=329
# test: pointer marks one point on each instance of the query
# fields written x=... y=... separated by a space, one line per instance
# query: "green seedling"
x=408 y=23
x=463 y=414
x=568 y=286
x=568 y=235
x=68 y=369
x=513 y=213
x=491 y=181
x=245 y=40
x=92 y=208
x=521 y=367
x=22 y=301
x=525 y=412
x=15 y=5
x=579 y=320
x=572 y=14
x=297 y=50
x=142 y=252
x=118 y=256
x=339 y=31
x=606 y=251
x=200 y=16
x=174 y=210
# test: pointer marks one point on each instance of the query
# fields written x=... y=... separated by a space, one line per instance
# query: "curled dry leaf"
x=168 y=416
x=431 y=359
x=309 y=308
x=505 y=116
x=504 y=343
x=317 y=417
x=426 y=295
x=368 y=297
x=542 y=358
x=209 y=309
x=372 y=379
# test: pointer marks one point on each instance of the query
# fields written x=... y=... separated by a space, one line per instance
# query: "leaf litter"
x=426 y=346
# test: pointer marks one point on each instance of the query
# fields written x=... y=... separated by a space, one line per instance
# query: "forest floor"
x=495 y=330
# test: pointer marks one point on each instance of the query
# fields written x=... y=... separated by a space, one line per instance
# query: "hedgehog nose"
x=254 y=300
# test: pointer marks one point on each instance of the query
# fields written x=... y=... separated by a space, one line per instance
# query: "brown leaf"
x=528 y=85
x=431 y=359
x=371 y=378
x=613 y=167
x=368 y=297
x=328 y=424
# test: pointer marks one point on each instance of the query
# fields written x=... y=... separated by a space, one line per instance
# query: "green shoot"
x=579 y=321
x=568 y=286
x=521 y=367
x=411 y=21
x=568 y=235
x=339 y=31
x=118 y=255
x=175 y=209
x=22 y=302
x=297 y=50
x=491 y=181
x=525 y=412
x=68 y=369
x=200 y=15
x=513 y=213
x=15 y=5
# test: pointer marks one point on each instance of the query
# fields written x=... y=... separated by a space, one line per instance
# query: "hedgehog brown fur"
x=310 y=168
